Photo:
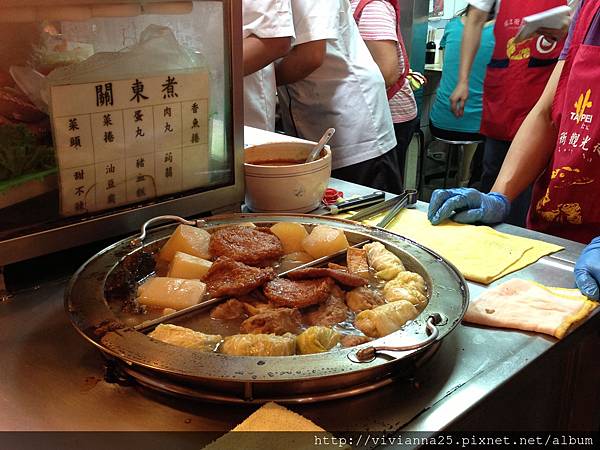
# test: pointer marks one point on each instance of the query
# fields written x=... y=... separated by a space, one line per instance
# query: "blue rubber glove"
x=467 y=205
x=587 y=269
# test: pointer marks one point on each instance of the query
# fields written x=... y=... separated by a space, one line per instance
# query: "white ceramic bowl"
x=293 y=186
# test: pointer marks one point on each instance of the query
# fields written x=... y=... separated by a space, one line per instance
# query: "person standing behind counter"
x=558 y=147
x=329 y=79
x=379 y=25
x=514 y=81
x=267 y=32
x=443 y=122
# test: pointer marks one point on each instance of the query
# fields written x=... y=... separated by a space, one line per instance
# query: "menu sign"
x=125 y=141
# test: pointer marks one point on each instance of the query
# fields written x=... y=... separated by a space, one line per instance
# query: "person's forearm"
x=471 y=39
x=260 y=52
x=528 y=155
x=385 y=55
x=533 y=145
x=300 y=62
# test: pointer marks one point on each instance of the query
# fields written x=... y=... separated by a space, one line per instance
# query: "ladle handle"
x=368 y=354
x=322 y=142
x=140 y=239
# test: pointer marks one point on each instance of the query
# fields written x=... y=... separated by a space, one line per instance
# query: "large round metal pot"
x=218 y=377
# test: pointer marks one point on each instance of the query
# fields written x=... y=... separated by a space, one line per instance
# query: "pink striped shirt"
x=378 y=23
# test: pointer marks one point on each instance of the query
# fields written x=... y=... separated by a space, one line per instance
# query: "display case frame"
x=79 y=231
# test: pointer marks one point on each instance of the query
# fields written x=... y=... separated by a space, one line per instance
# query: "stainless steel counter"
x=481 y=378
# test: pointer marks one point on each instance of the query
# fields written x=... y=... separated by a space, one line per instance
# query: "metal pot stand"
x=240 y=379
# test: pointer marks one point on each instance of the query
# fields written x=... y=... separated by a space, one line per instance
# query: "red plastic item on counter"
x=331 y=196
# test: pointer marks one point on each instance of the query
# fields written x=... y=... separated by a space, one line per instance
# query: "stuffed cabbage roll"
x=185 y=337
x=385 y=319
x=409 y=286
x=259 y=345
x=317 y=340
x=383 y=261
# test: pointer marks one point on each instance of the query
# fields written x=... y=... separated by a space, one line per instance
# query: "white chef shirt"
x=264 y=19
x=484 y=5
x=347 y=92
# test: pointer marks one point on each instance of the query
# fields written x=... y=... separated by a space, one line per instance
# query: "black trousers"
x=386 y=171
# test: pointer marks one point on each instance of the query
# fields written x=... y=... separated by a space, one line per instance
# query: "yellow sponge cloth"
x=270 y=427
x=274 y=417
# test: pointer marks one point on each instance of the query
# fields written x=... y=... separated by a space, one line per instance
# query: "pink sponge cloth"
x=530 y=306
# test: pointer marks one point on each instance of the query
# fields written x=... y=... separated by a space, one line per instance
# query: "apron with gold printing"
x=518 y=72
x=566 y=197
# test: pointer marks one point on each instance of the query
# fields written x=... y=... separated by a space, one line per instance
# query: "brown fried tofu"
x=298 y=294
x=357 y=261
x=227 y=277
x=252 y=246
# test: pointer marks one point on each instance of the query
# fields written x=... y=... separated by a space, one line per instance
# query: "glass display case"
x=113 y=112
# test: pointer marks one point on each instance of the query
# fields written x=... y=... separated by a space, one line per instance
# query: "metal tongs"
x=408 y=199
x=355 y=203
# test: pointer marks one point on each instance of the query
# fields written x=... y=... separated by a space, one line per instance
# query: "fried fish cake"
x=228 y=277
x=252 y=246
x=298 y=294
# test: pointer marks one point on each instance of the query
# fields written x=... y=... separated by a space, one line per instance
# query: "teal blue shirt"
x=441 y=115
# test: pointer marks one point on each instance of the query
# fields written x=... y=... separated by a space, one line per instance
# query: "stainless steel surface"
x=257 y=378
x=51 y=380
x=115 y=223
x=322 y=142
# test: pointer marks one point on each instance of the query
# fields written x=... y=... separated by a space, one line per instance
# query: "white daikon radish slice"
x=291 y=235
x=188 y=266
x=324 y=240
x=187 y=239
x=165 y=292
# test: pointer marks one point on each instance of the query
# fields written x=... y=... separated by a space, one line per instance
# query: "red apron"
x=517 y=73
x=566 y=197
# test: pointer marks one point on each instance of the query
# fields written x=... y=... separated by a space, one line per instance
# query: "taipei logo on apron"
x=581 y=106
